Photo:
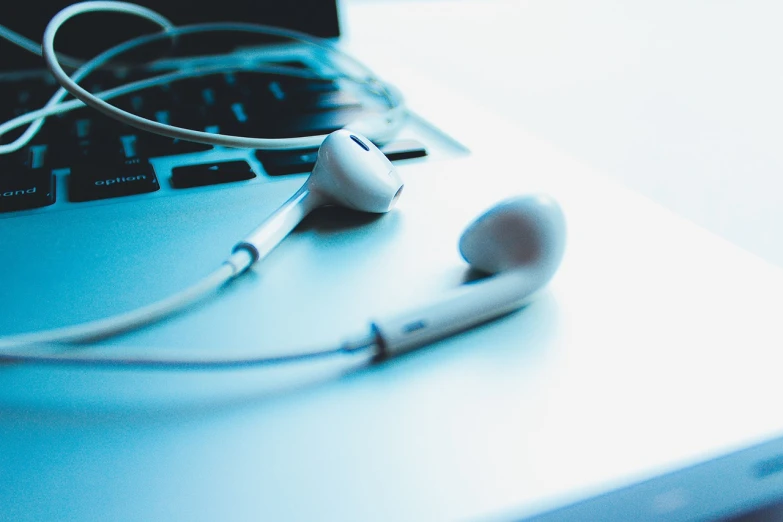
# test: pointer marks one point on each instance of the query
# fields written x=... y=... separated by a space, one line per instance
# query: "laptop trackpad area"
x=81 y=265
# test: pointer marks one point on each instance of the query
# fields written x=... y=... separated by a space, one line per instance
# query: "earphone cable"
x=55 y=106
x=32 y=47
x=103 y=328
x=54 y=347
x=377 y=128
x=366 y=348
x=83 y=70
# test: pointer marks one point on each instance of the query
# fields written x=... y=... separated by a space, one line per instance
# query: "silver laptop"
x=587 y=389
x=84 y=170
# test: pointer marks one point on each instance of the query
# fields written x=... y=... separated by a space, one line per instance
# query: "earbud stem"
x=261 y=241
x=463 y=309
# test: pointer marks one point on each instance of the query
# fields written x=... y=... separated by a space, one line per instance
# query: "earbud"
x=350 y=171
x=526 y=233
x=520 y=240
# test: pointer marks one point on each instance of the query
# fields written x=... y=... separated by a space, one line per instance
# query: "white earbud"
x=350 y=171
x=524 y=233
x=521 y=240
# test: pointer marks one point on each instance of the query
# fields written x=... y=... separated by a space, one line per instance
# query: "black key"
x=13 y=163
x=32 y=92
x=101 y=150
x=96 y=126
x=316 y=123
x=234 y=119
x=330 y=100
x=193 y=92
x=301 y=85
x=194 y=116
x=152 y=146
x=282 y=162
x=149 y=145
x=9 y=89
x=32 y=157
x=100 y=80
x=10 y=112
x=211 y=174
x=134 y=74
x=129 y=147
x=293 y=107
x=146 y=103
x=90 y=138
x=89 y=182
x=403 y=149
x=87 y=151
x=26 y=189
x=58 y=127
x=296 y=64
x=271 y=88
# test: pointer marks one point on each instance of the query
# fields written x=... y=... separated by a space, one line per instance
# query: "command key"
x=26 y=189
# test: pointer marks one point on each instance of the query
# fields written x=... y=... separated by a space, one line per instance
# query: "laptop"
x=589 y=388
x=85 y=164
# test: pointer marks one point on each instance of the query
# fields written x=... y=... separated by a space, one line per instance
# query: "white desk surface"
x=679 y=100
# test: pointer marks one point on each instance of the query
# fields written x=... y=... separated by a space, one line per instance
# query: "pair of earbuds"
x=519 y=242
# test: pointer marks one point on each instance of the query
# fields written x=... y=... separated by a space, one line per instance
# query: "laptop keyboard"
x=106 y=159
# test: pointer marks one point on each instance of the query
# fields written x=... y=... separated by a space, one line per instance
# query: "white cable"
x=78 y=75
x=394 y=116
x=54 y=106
x=102 y=328
x=33 y=47
x=162 y=361
x=375 y=128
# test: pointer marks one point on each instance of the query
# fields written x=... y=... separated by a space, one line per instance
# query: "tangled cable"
x=379 y=127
